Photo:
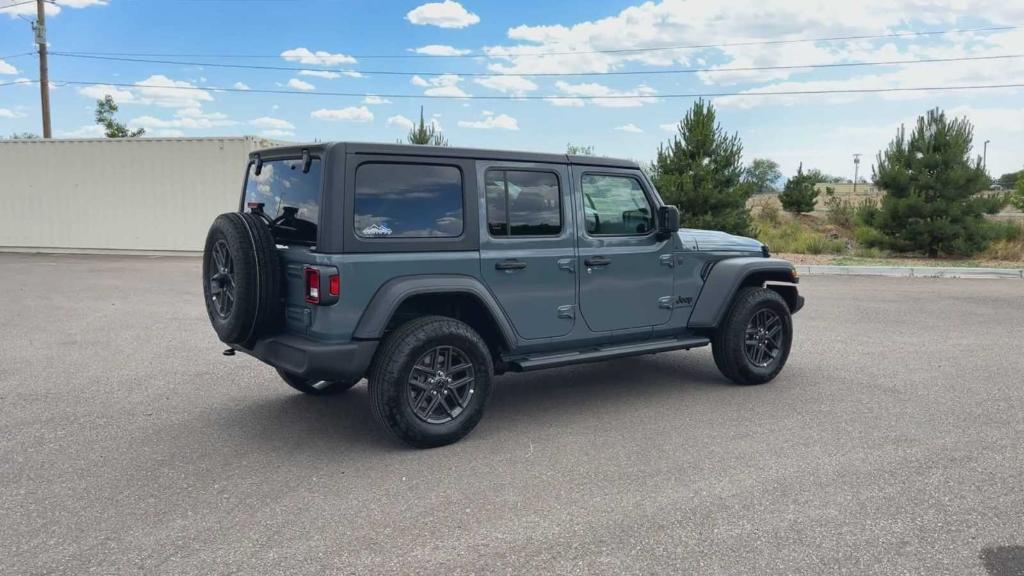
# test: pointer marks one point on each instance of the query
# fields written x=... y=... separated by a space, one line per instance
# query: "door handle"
x=510 y=265
x=596 y=262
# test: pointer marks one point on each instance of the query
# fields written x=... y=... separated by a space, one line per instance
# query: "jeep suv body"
x=427 y=270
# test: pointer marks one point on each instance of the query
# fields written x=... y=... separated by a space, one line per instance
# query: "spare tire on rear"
x=241 y=278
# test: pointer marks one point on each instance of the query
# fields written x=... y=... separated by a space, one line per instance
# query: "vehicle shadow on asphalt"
x=1003 y=560
x=291 y=421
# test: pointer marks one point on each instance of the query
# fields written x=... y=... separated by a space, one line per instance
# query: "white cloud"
x=447 y=14
x=167 y=133
x=241 y=86
x=671 y=127
x=507 y=84
x=6 y=68
x=601 y=95
x=631 y=128
x=275 y=133
x=400 y=121
x=440 y=50
x=491 y=121
x=162 y=91
x=6 y=113
x=351 y=73
x=87 y=131
x=272 y=123
x=350 y=114
x=187 y=118
x=566 y=102
x=305 y=56
x=100 y=91
x=300 y=85
x=373 y=100
x=443 y=85
x=21 y=8
x=320 y=74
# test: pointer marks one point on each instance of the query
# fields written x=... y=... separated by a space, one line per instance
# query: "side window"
x=523 y=203
x=616 y=206
x=408 y=201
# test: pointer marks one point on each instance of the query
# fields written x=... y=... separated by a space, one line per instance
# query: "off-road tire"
x=315 y=387
x=256 y=278
x=393 y=364
x=727 y=343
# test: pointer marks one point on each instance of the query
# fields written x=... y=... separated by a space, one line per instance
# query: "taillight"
x=312 y=285
x=334 y=285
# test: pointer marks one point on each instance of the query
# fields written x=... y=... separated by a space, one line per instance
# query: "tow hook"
x=229 y=352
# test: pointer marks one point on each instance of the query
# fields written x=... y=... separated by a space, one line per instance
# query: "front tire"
x=430 y=381
x=752 y=343
x=315 y=387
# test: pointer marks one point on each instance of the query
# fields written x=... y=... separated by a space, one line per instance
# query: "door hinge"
x=665 y=302
x=568 y=311
x=668 y=260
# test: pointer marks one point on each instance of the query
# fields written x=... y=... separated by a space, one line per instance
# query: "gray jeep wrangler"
x=428 y=271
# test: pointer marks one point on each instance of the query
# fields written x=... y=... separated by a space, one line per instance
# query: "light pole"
x=984 y=156
x=856 y=169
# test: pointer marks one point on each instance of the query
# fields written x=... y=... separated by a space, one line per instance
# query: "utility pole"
x=44 y=74
x=856 y=168
x=984 y=157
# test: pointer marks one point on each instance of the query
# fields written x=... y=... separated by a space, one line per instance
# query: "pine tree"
x=426 y=134
x=931 y=182
x=799 y=195
x=699 y=171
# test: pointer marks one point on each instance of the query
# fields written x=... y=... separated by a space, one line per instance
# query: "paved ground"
x=893 y=443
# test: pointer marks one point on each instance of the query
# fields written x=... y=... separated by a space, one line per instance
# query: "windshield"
x=289 y=198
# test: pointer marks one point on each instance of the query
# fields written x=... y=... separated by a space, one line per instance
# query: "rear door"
x=626 y=272
x=290 y=198
x=527 y=245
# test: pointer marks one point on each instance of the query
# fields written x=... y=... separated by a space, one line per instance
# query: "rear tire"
x=430 y=381
x=752 y=343
x=315 y=387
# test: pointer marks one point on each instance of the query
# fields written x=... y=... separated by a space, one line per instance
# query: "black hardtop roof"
x=444 y=151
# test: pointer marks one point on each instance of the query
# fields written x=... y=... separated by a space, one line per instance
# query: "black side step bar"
x=528 y=362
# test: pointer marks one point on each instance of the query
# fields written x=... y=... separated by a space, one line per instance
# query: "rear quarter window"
x=394 y=200
x=289 y=197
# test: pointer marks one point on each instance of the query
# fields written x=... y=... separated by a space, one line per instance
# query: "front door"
x=527 y=245
x=626 y=271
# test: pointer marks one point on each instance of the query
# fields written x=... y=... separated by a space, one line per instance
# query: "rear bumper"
x=347 y=362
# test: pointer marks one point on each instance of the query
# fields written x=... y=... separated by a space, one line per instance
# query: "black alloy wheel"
x=763 y=338
x=222 y=279
x=441 y=384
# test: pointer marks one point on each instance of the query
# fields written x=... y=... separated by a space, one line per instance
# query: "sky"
x=463 y=52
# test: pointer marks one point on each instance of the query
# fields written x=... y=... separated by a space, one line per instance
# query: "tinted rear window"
x=289 y=197
x=408 y=201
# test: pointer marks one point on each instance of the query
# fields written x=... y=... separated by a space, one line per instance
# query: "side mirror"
x=668 y=221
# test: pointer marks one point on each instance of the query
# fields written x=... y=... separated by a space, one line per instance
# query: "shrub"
x=838 y=212
x=792 y=237
x=799 y=194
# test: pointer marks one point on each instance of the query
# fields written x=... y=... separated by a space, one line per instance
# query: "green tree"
x=579 y=150
x=818 y=177
x=700 y=172
x=762 y=174
x=799 y=195
x=23 y=136
x=426 y=134
x=105 y=110
x=932 y=203
x=1017 y=196
x=1010 y=179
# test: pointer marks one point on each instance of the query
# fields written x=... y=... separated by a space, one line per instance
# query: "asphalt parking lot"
x=893 y=443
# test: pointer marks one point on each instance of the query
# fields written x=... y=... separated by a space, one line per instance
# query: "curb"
x=909 y=271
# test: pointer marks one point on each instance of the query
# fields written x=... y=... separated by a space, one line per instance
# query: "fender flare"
x=726 y=278
x=390 y=296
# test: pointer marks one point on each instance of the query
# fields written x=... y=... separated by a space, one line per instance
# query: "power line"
x=23 y=81
x=19 y=55
x=555 y=74
x=6 y=6
x=544 y=97
x=478 y=54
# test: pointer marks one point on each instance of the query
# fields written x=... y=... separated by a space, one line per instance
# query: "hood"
x=714 y=241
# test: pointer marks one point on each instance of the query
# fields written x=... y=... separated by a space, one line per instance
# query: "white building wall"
x=118 y=194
